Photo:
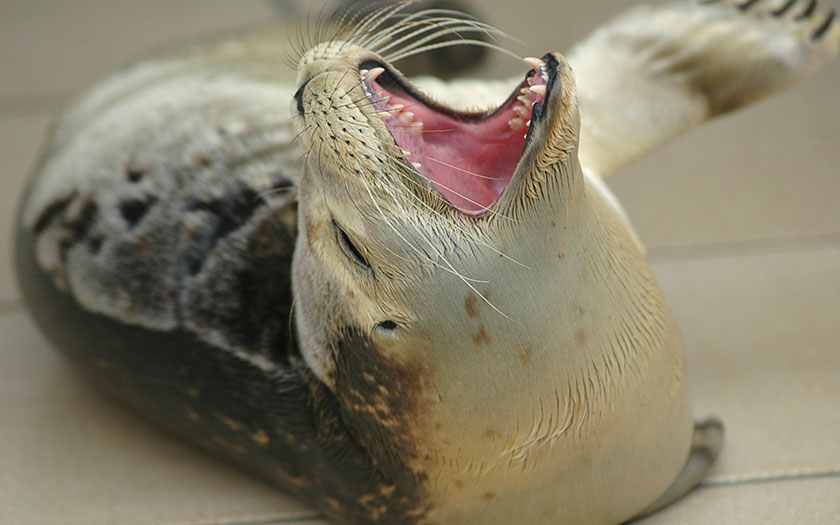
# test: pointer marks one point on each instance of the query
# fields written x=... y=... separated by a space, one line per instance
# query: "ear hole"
x=388 y=326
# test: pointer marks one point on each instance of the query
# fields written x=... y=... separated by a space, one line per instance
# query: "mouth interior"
x=469 y=159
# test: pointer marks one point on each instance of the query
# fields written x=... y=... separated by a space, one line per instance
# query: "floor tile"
x=761 y=336
x=20 y=139
x=811 y=501
x=767 y=171
x=69 y=456
x=49 y=50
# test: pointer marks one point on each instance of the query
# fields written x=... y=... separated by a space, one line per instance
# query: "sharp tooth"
x=525 y=99
x=374 y=73
x=417 y=165
x=520 y=111
x=406 y=117
x=363 y=73
x=528 y=123
x=516 y=124
x=383 y=114
x=417 y=127
x=539 y=90
x=405 y=152
x=535 y=63
x=397 y=107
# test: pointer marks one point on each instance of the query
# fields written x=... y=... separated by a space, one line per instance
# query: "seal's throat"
x=470 y=158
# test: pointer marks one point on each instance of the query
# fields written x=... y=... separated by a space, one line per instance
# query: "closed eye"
x=349 y=249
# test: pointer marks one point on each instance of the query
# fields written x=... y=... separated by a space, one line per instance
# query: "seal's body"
x=479 y=338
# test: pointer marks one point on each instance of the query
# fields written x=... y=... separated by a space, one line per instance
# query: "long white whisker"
x=438 y=28
x=465 y=42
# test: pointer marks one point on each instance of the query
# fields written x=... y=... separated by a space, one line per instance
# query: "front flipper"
x=656 y=72
x=705 y=448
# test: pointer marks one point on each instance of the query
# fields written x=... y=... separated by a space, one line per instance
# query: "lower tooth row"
x=405 y=118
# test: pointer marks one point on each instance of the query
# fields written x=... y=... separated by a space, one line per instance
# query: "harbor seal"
x=478 y=335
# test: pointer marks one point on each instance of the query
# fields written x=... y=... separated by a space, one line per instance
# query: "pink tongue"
x=469 y=162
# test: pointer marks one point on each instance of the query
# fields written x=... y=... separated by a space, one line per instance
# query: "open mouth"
x=469 y=158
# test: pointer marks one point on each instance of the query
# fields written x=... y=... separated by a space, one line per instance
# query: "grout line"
x=744 y=247
x=827 y=474
x=276 y=520
x=302 y=517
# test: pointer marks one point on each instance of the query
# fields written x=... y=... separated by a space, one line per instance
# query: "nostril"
x=298 y=96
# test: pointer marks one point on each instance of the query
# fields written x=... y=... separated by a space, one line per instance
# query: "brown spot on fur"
x=524 y=354
x=481 y=337
x=580 y=337
x=488 y=496
x=553 y=224
x=231 y=447
x=261 y=437
x=459 y=484
x=192 y=415
x=491 y=434
x=471 y=306
x=561 y=255
x=294 y=480
x=204 y=162
x=334 y=503
x=232 y=424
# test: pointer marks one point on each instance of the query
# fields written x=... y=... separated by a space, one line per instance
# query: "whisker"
x=423 y=235
x=458 y=168
x=437 y=27
x=451 y=43
x=412 y=19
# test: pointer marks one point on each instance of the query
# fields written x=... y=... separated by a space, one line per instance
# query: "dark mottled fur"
x=286 y=426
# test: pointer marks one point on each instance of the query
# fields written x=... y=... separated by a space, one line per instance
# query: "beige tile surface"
x=771 y=170
x=49 y=50
x=69 y=456
x=763 y=345
x=813 y=501
x=20 y=138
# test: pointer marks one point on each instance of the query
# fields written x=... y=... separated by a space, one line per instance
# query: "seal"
x=477 y=335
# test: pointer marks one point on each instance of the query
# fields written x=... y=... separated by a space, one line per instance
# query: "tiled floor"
x=742 y=221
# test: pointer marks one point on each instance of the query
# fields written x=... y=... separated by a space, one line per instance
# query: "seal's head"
x=400 y=189
x=426 y=272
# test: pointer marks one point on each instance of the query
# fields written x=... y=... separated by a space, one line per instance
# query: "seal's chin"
x=469 y=158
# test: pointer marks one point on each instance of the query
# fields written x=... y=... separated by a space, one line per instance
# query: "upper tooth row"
x=371 y=74
x=368 y=76
x=539 y=66
x=406 y=118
